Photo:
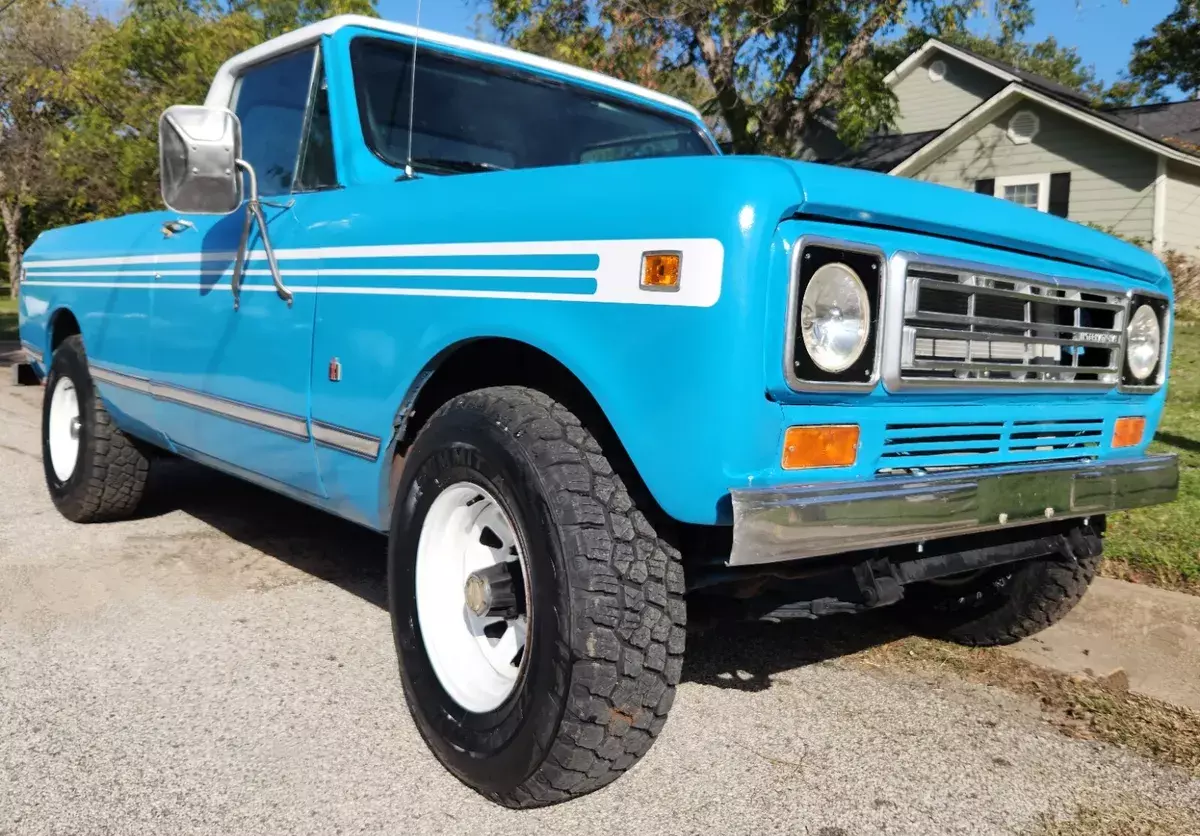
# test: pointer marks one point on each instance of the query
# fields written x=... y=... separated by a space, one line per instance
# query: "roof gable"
x=999 y=69
x=1015 y=91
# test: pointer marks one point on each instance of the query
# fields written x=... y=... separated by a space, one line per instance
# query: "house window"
x=1032 y=190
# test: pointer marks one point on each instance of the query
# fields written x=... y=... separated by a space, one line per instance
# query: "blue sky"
x=1102 y=30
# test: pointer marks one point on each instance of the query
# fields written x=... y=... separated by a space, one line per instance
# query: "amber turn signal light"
x=660 y=271
x=823 y=446
x=1127 y=432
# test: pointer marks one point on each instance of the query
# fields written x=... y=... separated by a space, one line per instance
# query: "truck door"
x=232 y=376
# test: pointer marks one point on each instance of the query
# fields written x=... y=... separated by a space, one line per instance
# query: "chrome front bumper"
x=792 y=522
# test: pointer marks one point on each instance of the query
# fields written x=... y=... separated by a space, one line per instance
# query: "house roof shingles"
x=884 y=151
x=1176 y=122
x=1038 y=82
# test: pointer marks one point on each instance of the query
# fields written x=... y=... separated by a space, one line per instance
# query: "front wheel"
x=1007 y=603
x=538 y=617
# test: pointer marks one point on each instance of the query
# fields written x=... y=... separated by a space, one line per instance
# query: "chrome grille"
x=968 y=327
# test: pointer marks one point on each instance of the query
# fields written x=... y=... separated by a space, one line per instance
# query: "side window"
x=271 y=101
x=317 y=168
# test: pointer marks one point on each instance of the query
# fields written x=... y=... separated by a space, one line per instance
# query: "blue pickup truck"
x=586 y=372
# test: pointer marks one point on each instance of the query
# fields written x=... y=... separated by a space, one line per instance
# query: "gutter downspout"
x=1160 y=207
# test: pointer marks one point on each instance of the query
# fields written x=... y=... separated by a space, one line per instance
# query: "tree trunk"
x=10 y=216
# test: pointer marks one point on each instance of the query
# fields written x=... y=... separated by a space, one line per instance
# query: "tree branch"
x=827 y=90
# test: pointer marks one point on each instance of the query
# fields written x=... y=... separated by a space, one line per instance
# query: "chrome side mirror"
x=199 y=148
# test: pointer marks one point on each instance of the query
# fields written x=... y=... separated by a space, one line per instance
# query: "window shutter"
x=1060 y=194
x=987 y=186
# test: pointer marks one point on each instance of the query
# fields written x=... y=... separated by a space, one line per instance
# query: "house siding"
x=927 y=105
x=1182 y=230
x=1112 y=182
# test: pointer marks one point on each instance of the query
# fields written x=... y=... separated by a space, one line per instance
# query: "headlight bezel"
x=1162 y=308
x=869 y=263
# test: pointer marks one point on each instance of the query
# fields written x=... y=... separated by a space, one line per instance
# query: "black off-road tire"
x=1008 y=603
x=111 y=469
x=607 y=625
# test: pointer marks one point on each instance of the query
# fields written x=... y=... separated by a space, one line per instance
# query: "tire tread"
x=628 y=615
x=115 y=482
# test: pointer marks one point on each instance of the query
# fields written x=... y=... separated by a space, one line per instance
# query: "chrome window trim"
x=797 y=384
x=1164 y=346
x=894 y=332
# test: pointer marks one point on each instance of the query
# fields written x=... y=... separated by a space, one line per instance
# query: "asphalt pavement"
x=224 y=665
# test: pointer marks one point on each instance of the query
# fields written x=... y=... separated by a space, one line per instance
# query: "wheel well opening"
x=62 y=326
x=483 y=363
x=488 y=362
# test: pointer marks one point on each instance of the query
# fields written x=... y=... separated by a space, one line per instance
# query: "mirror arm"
x=254 y=213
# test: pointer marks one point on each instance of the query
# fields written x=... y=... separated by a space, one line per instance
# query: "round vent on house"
x=1023 y=127
x=937 y=70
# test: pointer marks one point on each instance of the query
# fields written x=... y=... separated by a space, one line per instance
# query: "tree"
x=1168 y=57
x=163 y=52
x=37 y=39
x=761 y=69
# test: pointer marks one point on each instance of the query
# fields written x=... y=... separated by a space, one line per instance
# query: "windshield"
x=472 y=116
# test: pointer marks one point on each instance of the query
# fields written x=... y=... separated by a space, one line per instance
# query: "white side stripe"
x=613 y=247
x=617 y=276
x=482 y=274
x=348 y=291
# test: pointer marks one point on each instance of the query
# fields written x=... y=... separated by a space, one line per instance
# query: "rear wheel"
x=538 y=616
x=94 y=471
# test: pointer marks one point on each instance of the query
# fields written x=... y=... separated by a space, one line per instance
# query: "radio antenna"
x=412 y=97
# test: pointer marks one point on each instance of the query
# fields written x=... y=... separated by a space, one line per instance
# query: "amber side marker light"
x=660 y=271
x=1127 y=432
x=824 y=446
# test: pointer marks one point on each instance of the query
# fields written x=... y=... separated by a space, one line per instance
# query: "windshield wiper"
x=445 y=165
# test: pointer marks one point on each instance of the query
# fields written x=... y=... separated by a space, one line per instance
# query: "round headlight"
x=835 y=318
x=1143 y=341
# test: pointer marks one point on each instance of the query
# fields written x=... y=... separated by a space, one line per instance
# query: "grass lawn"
x=1161 y=545
x=8 y=316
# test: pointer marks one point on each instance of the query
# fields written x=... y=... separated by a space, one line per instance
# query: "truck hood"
x=863 y=197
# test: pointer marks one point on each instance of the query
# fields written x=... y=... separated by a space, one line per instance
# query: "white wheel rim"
x=64 y=428
x=477 y=658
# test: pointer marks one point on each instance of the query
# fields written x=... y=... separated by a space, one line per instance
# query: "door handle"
x=171 y=228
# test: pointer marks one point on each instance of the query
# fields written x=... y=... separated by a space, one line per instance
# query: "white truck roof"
x=221 y=91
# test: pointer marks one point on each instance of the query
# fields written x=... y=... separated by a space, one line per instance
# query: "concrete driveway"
x=224 y=665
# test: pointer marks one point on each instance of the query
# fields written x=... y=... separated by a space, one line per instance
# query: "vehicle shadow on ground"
x=313 y=541
x=726 y=654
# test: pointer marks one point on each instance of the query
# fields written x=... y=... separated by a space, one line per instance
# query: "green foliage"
x=765 y=71
x=1161 y=545
x=8 y=319
x=1168 y=57
x=98 y=86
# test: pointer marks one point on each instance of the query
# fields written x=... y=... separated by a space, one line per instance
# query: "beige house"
x=973 y=123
